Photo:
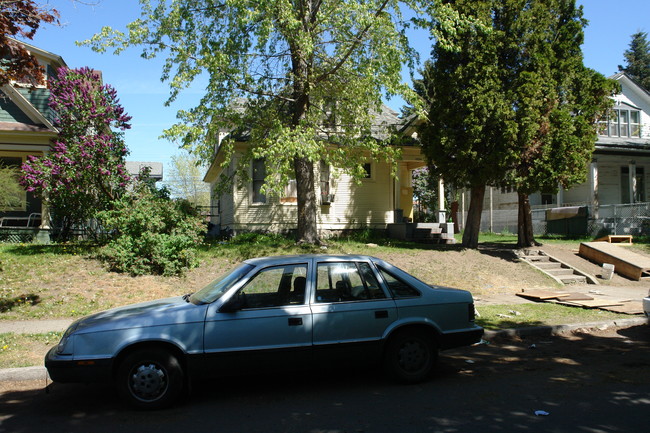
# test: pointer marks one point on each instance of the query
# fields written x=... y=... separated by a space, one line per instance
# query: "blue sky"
x=611 y=23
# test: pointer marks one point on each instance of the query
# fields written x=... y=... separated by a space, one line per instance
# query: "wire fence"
x=617 y=219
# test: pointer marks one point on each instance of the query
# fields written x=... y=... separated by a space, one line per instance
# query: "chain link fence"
x=618 y=219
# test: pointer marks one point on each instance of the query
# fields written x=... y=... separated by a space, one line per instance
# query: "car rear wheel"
x=410 y=356
x=150 y=379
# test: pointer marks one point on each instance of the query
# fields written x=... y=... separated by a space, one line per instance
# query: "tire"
x=150 y=379
x=410 y=356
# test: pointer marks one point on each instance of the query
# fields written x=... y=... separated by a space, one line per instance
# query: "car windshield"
x=218 y=287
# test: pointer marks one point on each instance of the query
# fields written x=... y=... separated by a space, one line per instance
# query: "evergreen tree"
x=637 y=59
x=516 y=106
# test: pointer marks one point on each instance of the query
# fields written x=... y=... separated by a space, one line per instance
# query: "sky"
x=143 y=95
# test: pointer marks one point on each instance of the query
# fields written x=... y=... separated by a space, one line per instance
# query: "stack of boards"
x=575 y=299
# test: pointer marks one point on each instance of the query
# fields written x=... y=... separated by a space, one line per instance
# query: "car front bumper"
x=65 y=369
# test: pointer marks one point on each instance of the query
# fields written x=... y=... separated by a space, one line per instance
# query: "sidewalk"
x=60 y=325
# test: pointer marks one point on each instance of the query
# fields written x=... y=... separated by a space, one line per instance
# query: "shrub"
x=151 y=234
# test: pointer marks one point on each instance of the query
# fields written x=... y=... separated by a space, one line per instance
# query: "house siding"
x=10 y=112
x=355 y=205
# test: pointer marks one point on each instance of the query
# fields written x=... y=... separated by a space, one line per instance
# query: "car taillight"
x=470 y=312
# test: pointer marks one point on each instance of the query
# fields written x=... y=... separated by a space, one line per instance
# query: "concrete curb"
x=23 y=373
x=40 y=373
x=541 y=331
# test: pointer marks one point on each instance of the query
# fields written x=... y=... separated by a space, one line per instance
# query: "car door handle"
x=295 y=321
x=381 y=314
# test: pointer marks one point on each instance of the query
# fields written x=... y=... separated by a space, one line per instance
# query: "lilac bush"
x=85 y=170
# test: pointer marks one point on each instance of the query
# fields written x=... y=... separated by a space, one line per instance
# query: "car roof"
x=273 y=260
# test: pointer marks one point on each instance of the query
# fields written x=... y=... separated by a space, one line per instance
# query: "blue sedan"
x=269 y=313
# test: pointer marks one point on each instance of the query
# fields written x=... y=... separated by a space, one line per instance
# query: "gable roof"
x=25 y=109
x=630 y=82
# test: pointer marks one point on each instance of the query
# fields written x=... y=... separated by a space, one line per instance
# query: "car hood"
x=153 y=313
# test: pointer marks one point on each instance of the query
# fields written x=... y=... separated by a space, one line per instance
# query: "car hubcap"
x=148 y=382
x=412 y=356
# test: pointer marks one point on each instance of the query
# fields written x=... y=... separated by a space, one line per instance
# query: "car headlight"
x=65 y=346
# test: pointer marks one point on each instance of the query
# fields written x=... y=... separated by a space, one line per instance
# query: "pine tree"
x=637 y=59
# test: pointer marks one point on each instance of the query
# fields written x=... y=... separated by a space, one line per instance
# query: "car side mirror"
x=233 y=304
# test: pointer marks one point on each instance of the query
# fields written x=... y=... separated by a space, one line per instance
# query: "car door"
x=351 y=311
x=271 y=328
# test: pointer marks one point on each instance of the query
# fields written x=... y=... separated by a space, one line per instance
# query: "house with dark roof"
x=26 y=128
x=378 y=200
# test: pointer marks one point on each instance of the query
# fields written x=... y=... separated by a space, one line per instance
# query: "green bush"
x=151 y=234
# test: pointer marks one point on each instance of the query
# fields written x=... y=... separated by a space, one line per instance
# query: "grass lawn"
x=67 y=281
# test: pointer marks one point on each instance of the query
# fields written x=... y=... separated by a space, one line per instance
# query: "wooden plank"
x=627 y=239
x=632 y=307
x=542 y=295
x=598 y=303
x=575 y=296
x=627 y=263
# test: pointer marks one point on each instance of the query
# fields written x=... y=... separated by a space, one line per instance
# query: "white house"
x=378 y=200
x=620 y=164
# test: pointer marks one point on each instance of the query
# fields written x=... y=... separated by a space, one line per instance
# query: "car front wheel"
x=150 y=379
x=410 y=356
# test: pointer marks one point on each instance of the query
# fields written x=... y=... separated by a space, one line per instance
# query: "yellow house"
x=377 y=200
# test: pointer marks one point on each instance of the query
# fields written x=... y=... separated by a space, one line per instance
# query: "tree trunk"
x=473 y=224
x=303 y=167
x=306 y=194
x=525 y=237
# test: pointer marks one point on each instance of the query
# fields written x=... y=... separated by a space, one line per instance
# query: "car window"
x=345 y=282
x=221 y=285
x=275 y=287
x=398 y=288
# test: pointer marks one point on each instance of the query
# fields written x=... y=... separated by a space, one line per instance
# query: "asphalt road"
x=595 y=382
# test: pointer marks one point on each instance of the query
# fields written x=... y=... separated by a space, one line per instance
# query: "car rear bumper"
x=64 y=369
x=461 y=338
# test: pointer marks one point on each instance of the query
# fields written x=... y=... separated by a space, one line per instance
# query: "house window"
x=325 y=191
x=639 y=182
x=259 y=174
x=547 y=198
x=17 y=202
x=367 y=167
x=621 y=123
x=290 y=193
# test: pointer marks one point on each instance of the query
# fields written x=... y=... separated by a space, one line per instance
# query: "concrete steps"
x=432 y=233
x=555 y=268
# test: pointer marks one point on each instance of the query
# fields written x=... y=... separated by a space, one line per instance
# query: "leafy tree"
x=516 y=106
x=424 y=190
x=310 y=73
x=21 y=18
x=637 y=59
x=11 y=190
x=85 y=170
x=185 y=180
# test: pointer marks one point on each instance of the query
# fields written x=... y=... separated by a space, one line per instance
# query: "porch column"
x=406 y=191
x=632 y=180
x=593 y=186
x=491 y=211
x=43 y=233
x=560 y=196
x=462 y=210
x=442 y=214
